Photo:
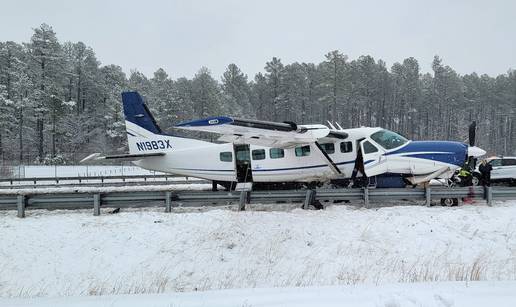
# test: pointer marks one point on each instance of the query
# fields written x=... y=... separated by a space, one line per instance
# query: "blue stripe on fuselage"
x=441 y=151
x=273 y=169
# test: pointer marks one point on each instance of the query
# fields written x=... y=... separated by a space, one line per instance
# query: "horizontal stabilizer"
x=127 y=157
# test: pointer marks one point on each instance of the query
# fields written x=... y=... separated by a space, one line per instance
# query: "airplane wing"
x=123 y=157
x=264 y=133
x=270 y=134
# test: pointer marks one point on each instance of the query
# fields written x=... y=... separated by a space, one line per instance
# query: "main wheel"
x=449 y=202
x=316 y=205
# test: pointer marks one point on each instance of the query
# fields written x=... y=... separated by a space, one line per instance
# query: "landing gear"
x=316 y=205
x=449 y=202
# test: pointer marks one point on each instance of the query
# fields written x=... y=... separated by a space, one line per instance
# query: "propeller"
x=473 y=151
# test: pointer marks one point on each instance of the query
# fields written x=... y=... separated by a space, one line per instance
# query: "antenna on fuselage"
x=331 y=125
x=338 y=125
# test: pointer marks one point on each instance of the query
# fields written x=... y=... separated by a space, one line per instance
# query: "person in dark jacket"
x=485 y=169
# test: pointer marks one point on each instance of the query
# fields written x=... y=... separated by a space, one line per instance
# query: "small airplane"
x=255 y=151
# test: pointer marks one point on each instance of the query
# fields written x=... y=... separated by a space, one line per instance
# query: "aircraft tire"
x=316 y=205
x=449 y=202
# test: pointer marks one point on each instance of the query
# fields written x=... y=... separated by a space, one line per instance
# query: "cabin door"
x=374 y=161
x=243 y=163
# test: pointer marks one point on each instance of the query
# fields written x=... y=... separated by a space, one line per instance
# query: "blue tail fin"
x=136 y=112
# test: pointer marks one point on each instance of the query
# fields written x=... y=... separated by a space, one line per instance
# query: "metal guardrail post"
x=21 y=202
x=96 y=204
x=366 y=198
x=428 y=196
x=244 y=196
x=168 y=202
x=309 y=198
x=488 y=194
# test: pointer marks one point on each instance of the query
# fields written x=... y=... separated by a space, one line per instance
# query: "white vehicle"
x=272 y=152
x=504 y=170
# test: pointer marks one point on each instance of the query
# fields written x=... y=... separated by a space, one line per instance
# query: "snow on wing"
x=256 y=132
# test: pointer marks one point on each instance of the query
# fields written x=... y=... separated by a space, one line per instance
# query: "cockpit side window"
x=388 y=139
x=369 y=148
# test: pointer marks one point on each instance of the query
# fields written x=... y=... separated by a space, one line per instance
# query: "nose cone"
x=474 y=151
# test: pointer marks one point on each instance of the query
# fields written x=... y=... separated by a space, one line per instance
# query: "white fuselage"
x=204 y=161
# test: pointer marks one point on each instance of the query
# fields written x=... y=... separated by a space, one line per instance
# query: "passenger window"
x=258 y=154
x=496 y=162
x=509 y=162
x=226 y=156
x=303 y=151
x=369 y=148
x=329 y=148
x=276 y=153
x=346 y=147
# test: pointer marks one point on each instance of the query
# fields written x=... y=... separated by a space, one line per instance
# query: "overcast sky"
x=182 y=36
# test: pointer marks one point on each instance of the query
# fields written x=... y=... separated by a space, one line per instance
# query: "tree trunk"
x=39 y=129
x=20 y=135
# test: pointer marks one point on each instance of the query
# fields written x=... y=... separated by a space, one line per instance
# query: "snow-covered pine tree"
x=334 y=71
x=275 y=75
x=236 y=92
x=206 y=94
x=47 y=71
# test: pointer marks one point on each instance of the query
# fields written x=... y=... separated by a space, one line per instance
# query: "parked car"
x=504 y=170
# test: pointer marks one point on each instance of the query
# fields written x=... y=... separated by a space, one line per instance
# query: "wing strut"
x=328 y=159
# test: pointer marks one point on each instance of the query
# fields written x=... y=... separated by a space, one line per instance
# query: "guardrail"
x=135 y=197
x=11 y=183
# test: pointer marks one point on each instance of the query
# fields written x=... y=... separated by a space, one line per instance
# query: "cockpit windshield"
x=388 y=139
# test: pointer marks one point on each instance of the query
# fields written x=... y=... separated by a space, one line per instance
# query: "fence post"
x=96 y=204
x=428 y=196
x=244 y=198
x=168 y=202
x=21 y=202
x=488 y=194
x=366 y=198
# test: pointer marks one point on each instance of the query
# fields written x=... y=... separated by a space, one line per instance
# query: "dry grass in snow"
x=65 y=253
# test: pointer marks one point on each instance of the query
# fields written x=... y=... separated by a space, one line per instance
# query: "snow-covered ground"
x=444 y=294
x=62 y=253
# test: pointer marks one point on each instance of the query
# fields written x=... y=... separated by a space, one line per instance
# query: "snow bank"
x=79 y=189
x=473 y=294
x=30 y=171
x=63 y=253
